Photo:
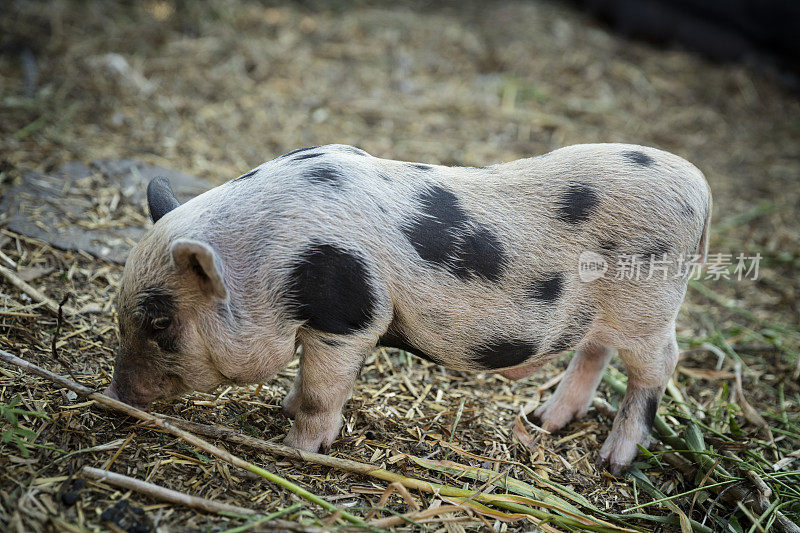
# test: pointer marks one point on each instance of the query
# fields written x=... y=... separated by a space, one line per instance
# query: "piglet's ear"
x=200 y=265
x=160 y=198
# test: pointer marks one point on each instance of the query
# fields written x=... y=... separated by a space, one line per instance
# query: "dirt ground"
x=214 y=89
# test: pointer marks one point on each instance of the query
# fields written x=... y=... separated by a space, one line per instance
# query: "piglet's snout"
x=111 y=392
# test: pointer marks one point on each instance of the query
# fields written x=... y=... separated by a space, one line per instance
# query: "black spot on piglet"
x=154 y=302
x=325 y=175
x=306 y=156
x=651 y=408
x=329 y=289
x=396 y=339
x=548 y=288
x=577 y=203
x=287 y=154
x=444 y=235
x=247 y=175
x=480 y=254
x=639 y=158
x=433 y=234
x=656 y=249
x=504 y=354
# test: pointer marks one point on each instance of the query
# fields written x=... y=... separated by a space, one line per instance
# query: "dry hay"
x=214 y=89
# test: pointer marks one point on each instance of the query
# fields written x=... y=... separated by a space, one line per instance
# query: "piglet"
x=497 y=268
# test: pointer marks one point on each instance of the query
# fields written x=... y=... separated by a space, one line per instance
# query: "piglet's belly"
x=523 y=371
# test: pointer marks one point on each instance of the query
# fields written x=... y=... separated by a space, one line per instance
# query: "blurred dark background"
x=733 y=30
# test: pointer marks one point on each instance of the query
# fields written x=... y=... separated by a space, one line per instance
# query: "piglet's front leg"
x=291 y=402
x=324 y=384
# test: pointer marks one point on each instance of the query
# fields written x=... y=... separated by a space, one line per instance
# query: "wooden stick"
x=217 y=432
x=158 y=492
x=184 y=435
x=10 y=262
x=50 y=304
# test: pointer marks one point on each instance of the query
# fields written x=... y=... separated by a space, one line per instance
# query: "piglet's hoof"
x=553 y=416
x=319 y=443
x=614 y=468
x=622 y=445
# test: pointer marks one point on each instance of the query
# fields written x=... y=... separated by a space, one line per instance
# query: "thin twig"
x=57 y=334
x=459 y=413
x=235 y=437
x=10 y=262
x=49 y=303
x=157 y=492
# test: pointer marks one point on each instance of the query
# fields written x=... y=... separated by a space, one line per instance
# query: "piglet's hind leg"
x=649 y=371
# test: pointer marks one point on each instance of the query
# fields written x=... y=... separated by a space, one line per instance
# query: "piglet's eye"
x=161 y=322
